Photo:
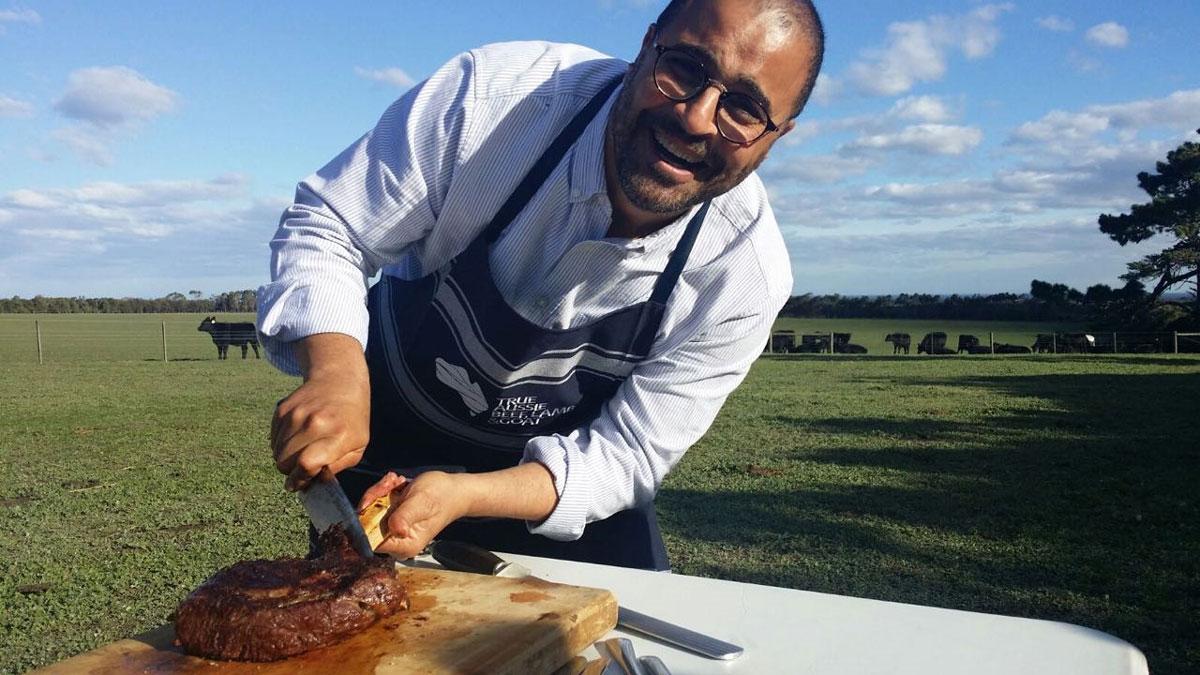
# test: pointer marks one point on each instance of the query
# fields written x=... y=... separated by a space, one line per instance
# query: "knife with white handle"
x=464 y=557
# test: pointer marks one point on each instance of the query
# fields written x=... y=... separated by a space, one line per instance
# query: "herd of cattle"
x=935 y=343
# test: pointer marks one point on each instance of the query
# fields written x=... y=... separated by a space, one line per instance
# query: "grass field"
x=107 y=337
x=1050 y=487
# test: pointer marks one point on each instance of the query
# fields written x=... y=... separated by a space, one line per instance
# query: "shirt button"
x=541 y=302
x=575 y=193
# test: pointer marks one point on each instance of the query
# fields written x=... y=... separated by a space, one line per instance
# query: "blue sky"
x=951 y=146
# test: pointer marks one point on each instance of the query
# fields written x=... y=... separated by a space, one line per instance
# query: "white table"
x=789 y=631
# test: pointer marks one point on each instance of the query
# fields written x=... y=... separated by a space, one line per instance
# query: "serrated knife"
x=464 y=557
x=327 y=505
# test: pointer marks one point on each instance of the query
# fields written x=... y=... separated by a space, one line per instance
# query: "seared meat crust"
x=266 y=610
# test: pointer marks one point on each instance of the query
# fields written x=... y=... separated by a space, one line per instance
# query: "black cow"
x=899 y=341
x=1044 y=343
x=842 y=345
x=933 y=343
x=968 y=343
x=224 y=334
x=1004 y=348
x=1076 y=343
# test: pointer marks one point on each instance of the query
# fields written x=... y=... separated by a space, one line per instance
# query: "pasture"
x=1054 y=487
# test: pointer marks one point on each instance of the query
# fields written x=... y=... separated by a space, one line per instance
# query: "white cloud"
x=1108 y=34
x=113 y=96
x=19 y=16
x=90 y=143
x=40 y=155
x=15 y=108
x=393 y=76
x=1059 y=125
x=1074 y=135
x=956 y=258
x=916 y=51
x=815 y=169
x=922 y=139
x=826 y=89
x=921 y=109
x=102 y=195
x=1181 y=110
x=153 y=235
x=1055 y=23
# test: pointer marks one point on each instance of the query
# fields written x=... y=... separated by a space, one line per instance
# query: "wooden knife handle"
x=374 y=519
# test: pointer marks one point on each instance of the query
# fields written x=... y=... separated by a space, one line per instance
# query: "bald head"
x=785 y=20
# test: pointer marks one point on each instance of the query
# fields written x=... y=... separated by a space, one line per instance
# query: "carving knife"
x=327 y=505
x=463 y=557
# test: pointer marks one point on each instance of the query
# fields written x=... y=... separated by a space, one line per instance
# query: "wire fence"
x=177 y=337
x=940 y=343
x=57 y=338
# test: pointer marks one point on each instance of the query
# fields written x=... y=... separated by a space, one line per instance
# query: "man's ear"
x=787 y=126
x=648 y=38
x=647 y=41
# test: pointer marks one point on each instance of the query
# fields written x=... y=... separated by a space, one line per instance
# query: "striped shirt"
x=418 y=188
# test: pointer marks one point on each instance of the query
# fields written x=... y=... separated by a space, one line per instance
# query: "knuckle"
x=309 y=463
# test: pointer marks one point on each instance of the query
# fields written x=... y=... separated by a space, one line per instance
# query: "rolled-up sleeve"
x=360 y=212
x=620 y=459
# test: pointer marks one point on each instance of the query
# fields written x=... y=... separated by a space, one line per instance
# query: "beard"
x=637 y=150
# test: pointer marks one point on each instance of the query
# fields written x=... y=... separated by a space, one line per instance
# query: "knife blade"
x=463 y=557
x=327 y=505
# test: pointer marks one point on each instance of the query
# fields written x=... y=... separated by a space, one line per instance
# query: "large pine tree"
x=1174 y=212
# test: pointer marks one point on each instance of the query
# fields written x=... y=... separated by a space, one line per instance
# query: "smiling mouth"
x=673 y=158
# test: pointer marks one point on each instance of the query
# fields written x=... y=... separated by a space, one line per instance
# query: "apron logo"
x=525 y=411
x=456 y=378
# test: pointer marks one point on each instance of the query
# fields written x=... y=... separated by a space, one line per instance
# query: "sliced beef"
x=266 y=610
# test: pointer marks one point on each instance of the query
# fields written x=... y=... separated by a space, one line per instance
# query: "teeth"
x=681 y=153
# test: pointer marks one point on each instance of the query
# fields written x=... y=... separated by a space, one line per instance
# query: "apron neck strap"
x=679 y=257
x=546 y=163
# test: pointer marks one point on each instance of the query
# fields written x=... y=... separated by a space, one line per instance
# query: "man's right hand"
x=327 y=420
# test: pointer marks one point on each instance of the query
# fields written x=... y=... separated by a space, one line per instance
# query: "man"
x=578 y=267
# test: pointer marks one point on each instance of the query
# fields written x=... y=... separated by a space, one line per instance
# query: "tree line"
x=232 y=301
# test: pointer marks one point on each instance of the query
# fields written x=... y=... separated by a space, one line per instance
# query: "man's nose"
x=699 y=113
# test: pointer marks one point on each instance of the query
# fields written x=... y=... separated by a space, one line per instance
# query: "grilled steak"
x=266 y=610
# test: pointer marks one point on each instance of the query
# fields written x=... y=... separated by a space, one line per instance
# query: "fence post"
x=992 y=342
x=1176 y=334
x=164 y=341
x=1054 y=342
x=37 y=327
x=1114 y=343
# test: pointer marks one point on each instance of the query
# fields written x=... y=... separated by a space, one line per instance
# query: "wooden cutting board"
x=457 y=623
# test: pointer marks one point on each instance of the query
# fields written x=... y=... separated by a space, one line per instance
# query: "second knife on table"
x=463 y=557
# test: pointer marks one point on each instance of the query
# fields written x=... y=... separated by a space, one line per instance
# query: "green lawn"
x=1051 y=487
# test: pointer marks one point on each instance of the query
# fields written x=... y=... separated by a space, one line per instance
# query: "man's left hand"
x=427 y=504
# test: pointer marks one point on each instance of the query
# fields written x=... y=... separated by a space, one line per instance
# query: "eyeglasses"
x=680 y=76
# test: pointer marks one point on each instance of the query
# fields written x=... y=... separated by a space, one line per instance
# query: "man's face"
x=668 y=155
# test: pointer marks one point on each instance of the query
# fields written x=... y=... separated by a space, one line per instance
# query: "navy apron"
x=460 y=381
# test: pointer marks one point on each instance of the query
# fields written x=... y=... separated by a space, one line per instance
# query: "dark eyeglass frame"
x=710 y=82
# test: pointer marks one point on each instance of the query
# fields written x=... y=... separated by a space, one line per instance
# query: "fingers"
x=422 y=513
x=388 y=483
x=304 y=465
x=403 y=549
x=311 y=429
